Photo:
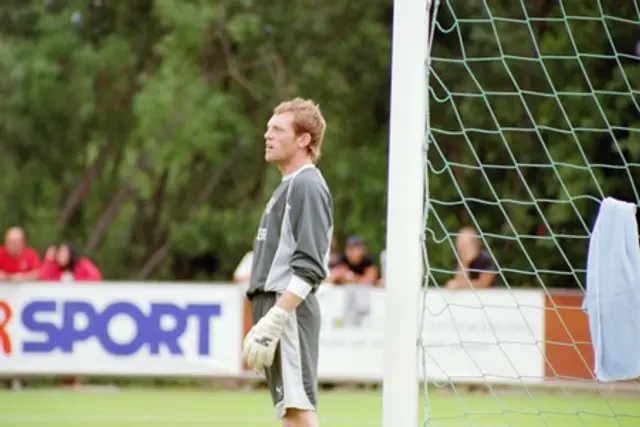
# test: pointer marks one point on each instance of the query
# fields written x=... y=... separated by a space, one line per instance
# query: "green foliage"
x=135 y=128
x=532 y=116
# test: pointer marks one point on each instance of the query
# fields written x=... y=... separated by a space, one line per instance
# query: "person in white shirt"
x=242 y=275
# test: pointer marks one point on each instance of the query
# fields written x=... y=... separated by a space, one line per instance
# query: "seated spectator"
x=63 y=264
x=18 y=262
x=357 y=273
x=242 y=275
x=355 y=266
x=475 y=267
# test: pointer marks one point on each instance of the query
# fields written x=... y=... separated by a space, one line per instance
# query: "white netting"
x=533 y=113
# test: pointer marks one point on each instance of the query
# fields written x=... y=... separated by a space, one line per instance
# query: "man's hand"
x=457 y=283
x=18 y=277
x=262 y=340
x=337 y=274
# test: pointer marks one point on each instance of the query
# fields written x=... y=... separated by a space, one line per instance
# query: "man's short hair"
x=468 y=230
x=354 y=241
x=307 y=118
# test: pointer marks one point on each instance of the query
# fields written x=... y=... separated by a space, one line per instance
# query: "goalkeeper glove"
x=261 y=342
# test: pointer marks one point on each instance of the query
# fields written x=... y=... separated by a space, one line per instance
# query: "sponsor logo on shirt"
x=262 y=234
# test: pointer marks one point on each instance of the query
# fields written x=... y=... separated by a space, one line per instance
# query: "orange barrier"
x=246 y=326
x=567 y=340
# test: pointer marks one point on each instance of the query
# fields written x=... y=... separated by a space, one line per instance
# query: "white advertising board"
x=121 y=329
x=493 y=335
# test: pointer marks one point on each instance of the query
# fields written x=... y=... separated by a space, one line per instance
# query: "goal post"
x=405 y=203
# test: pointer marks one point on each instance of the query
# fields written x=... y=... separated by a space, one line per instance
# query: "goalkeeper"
x=291 y=253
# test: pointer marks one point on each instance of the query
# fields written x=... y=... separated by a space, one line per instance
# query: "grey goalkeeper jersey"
x=294 y=234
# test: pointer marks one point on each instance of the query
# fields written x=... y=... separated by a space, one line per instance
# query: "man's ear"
x=304 y=140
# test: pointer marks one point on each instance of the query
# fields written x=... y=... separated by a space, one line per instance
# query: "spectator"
x=63 y=264
x=242 y=275
x=18 y=262
x=475 y=268
x=355 y=266
x=358 y=273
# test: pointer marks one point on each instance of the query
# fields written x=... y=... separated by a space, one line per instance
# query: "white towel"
x=612 y=299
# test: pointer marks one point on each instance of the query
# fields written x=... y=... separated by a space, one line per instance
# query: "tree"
x=135 y=130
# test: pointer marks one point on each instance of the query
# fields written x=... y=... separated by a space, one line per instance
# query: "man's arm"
x=487 y=274
x=34 y=268
x=312 y=224
x=484 y=280
x=459 y=280
x=369 y=276
x=289 y=301
x=337 y=274
x=25 y=277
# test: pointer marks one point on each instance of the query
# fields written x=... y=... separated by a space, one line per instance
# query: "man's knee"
x=299 y=418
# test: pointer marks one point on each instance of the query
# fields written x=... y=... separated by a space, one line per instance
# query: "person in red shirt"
x=63 y=264
x=17 y=261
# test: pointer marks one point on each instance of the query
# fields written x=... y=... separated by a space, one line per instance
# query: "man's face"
x=280 y=139
x=467 y=245
x=62 y=256
x=14 y=242
x=354 y=253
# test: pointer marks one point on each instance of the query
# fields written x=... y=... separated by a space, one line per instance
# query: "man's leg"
x=298 y=418
x=260 y=305
x=292 y=378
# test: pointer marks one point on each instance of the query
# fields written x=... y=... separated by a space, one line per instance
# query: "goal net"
x=533 y=119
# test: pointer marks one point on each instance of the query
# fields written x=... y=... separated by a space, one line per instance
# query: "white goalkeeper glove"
x=260 y=344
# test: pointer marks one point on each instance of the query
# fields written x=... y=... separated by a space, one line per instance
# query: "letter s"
x=31 y=323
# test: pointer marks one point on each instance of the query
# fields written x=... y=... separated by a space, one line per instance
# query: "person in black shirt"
x=475 y=267
x=355 y=266
x=356 y=273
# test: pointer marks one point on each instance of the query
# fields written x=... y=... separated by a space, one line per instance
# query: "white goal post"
x=405 y=204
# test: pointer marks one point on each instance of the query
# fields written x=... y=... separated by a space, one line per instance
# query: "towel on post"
x=612 y=299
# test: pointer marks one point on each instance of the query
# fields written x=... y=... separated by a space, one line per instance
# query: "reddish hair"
x=307 y=118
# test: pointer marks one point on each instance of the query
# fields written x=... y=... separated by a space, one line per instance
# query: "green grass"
x=180 y=408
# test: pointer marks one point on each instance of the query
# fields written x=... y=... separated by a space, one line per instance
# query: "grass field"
x=180 y=408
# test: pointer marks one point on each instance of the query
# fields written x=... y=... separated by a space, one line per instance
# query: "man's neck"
x=293 y=165
x=15 y=254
